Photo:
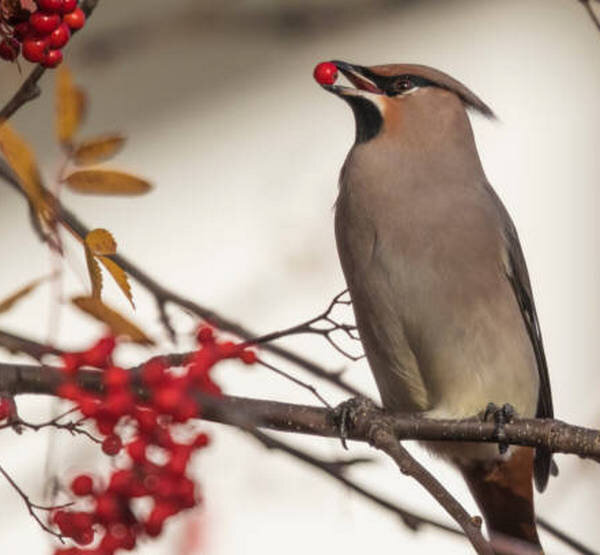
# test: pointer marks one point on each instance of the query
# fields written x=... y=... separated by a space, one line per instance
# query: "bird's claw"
x=345 y=415
x=501 y=416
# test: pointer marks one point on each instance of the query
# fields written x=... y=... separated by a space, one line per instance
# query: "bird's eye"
x=403 y=84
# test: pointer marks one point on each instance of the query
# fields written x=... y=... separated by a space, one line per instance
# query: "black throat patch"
x=368 y=118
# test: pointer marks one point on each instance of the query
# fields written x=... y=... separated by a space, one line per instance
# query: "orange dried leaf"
x=7 y=303
x=21 y=159
x=101 y=241
x=119 y=276
x=106 y=182
x=70 y=106
x=94 y=272
x=118 y=324
x=98 y=149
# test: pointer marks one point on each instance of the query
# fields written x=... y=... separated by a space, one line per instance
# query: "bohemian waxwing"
x=437 y=278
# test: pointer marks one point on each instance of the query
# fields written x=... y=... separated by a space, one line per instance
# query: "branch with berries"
x=150 y=398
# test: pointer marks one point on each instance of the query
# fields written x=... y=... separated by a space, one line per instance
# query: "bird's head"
x=384 y=95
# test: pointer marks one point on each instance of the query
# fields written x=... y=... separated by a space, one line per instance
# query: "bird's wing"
x=518 y=276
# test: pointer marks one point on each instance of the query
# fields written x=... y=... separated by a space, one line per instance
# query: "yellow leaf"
x=21 y=159
x=106 y=182
x=119 y=325
x=8 y=302
x=95 y=273
x=70 y=106
x=98 y=149
x=100 y=241
x=119 y=276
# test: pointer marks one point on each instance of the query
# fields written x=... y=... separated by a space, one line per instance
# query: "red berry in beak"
x=325 y=73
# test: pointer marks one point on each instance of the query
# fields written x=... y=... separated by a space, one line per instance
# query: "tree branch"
x=555 y=435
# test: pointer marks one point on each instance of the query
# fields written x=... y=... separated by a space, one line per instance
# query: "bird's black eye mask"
x=398 y=84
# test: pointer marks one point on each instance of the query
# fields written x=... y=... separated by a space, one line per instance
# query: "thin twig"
x=593 y=16
x=31 y=506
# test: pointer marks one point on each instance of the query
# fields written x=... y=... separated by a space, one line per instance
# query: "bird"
x=438 y=280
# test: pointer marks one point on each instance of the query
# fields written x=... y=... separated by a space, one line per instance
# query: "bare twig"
x=324 y=324
x=32 y=507
x=71 y=426
x=593 y=16
x=17 y=344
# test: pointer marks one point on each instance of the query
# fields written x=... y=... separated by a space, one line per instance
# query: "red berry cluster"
x=136 y=426
x=41 y=35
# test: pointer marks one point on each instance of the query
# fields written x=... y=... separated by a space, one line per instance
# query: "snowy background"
x=244 y=149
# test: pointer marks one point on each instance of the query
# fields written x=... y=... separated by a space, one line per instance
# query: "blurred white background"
x=244 y=149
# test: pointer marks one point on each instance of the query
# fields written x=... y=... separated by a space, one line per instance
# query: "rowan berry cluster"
x=41 y=35
x=139 y=417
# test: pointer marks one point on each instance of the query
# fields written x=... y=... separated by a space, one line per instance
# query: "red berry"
x=137 y=450
x=112 y=445
x=52 y=58
x=188 y=408
x=34 y=49
x=44 y=23
x=159 y=514
x=75 y=20
x=120 y=481
x=69 y=391
x=118 y=404
x=50 y=5
x=205 y=335
x=325 y=73
x=108 y=508
x=68 y=6
x=116 y=377
x=98 y=354
x=147 y=420
x=21 y=31
x=249 y=357
x=4 y=408
x=201 y=440
x=88 y=406
x=60 y=36
x=81 y=520
x=166 y=400
x=105 y=423
x=84 y=537
x=82 y=485
x=71 y=362
x=153 y=372
x=228 y=349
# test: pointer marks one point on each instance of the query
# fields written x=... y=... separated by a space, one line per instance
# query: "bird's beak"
x=363 y=79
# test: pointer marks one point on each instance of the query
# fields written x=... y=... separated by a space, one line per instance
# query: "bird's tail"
x=503 y=491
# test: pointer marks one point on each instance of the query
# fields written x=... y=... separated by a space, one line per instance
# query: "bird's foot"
x=346 y=414
x=500 y=416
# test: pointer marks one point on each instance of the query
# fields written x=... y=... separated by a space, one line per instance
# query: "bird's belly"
x=442 y=331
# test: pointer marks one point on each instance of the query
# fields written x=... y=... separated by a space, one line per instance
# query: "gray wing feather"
x=519 y=280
